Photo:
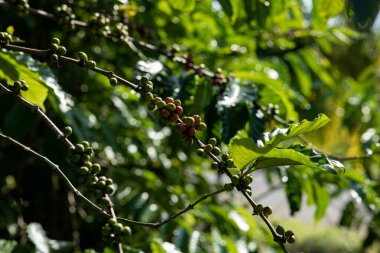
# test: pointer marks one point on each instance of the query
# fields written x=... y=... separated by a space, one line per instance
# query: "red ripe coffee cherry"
x=178 y=110
x=181 y=127
x=165 y=114
x=197 y=119
x=190 y=131
x=174 y=117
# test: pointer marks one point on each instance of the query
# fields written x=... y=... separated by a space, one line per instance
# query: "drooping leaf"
x=293 y=190
x=321 y=198
x=256 y=122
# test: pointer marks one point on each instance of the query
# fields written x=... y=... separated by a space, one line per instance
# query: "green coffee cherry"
x=54 y=58
x=267 y=211
x=148 y=96
x=225 y=156
x=113 y=81
x=201 y=127
x=291 y=239
x=90 y=64
x=67 y=131
x=83 y=56
x=280 y=230
x=61 y=50
x=235 y=179
x=85 y=144
x=230 y=163
x=208 y=148
x=229 y=187
x=212 y=141
x=259 y=209
x=109 y=189
x=289 y=233
x=95 y=168
x=79 y=148
x=189 y=121
x=144 y=80
x=54 y=47
x=200 y=152
x=216 y=151
x=171 y=107
x=83 y=170
x=214 y=165
x=55 y=41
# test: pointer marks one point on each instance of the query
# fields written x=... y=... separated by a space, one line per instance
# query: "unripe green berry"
x=222 y=164
x=259 y=209
x=113 y=81
x=230 y=163
x=117 y=228
x=88 y=164
x=85 y=144
x=214 y=165
x=201 y=127
x=208 y=148
x=229 y=187
x=189 y=121
x=148 y=96
x=170 y=106
x=83 y=170
x=156 y=100
x=54 y=47
x=291 y=239
x=126 y=231
x=61 y=50
x=151 y=106
x=280 y=230
x=79 y=148
x=161 y=104
x=67 y=131
x=17 y=85
x=83 y=56
x=267 y=211
x=247 y=182
x=177 y=102
x=103 y=178
x=235 y=179
x=216 y=151
x=109 y=189
x=24 y=87
x=156 y=112
x=86 y=158
x=90 y=64
x=89 y=151
x=289 y=233
x=200 y=152
x=101 y=184
x=148 y=88
x=144 y=80
x=109 y=181
x=55 y=41
x=95 y=168
x=54 y=58
x=212 y=141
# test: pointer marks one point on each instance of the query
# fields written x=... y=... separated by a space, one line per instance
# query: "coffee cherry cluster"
x=5 y=38
x=56 y=50
x=188 y=127
x=20 y=85
x=262 y=210
x=243 y=182
x=85 y=62
x=210 y=147
x=287 y=235
x=145 y=84
x=226 y=162
x=22 y=6
x=115 y=232
x=100 y=24
x=65 y=15
x=80 y=158
x=167 y=110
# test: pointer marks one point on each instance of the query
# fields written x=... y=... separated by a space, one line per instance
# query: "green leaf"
x=293 y=189
x=301 y=73
x=245 y=151
x=183 y=5
x=327 y=8
x=227 y=7
x=11 y=70
x=321 y=198
x=296 y=154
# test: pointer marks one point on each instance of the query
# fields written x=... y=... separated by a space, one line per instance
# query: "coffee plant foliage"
x=288 y=89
